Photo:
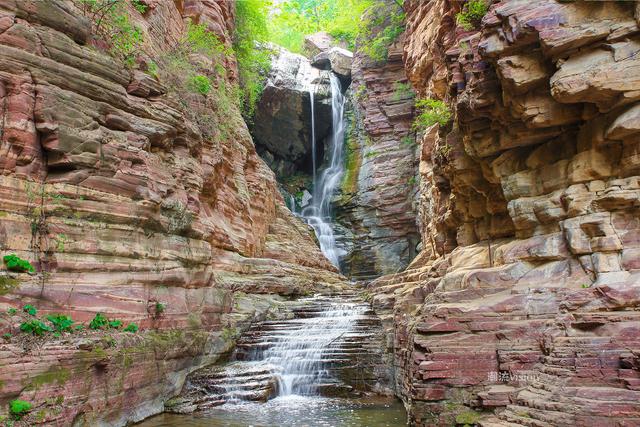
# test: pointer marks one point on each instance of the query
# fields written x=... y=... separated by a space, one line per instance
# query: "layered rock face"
x=121 y=199
x=522 y=307
x=375 y=209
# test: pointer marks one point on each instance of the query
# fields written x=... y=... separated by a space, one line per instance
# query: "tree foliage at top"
x=291 y=20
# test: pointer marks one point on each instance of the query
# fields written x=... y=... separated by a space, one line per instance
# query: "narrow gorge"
x=320 y=213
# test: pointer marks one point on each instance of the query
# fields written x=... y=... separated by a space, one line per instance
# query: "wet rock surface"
x=282 y=123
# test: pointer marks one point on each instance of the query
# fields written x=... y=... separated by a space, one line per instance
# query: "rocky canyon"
x=445 y=209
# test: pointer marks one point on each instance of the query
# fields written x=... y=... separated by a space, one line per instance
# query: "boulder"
x=318 y=42
x=282 y=124
x=336 y=59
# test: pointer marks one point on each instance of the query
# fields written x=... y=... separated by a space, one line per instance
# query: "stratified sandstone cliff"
x=122 y=199
x=376 y=209
x=522 y=308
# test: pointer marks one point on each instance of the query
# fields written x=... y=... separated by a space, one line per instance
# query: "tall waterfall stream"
x=318 y=213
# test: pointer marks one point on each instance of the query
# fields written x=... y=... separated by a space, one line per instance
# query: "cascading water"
x=318 y=213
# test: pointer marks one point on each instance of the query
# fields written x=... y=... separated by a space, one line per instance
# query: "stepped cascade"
x=328 y=347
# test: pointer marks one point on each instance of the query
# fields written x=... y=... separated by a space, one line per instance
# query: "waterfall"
x=313 y=132
x=318 y=214
x=303 y=350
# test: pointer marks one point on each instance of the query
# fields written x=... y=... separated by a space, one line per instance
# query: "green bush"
x=61 y=323
x=200 y=84
x=19 y=408
x=111 y=21
x=30 y=309
x=471 y=14
x=15 y=263
x=160 y=308
x=200 y=40
x=12 y=311
x=131 y=327
x=98 y=322
x=115 y=324
x=383 y=29
x=430 y=112
x=252 y=54
x=35 y=327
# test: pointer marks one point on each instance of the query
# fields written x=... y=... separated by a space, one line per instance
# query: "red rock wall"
x=522 y=307
x=120 y=200
x=377 y=205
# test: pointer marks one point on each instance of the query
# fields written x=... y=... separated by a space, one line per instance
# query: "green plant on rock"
x=7 y=336
x=19 y=408
x=30 y=309
x=111 y=21
x=15 y=263
x=115 y=324
x=35 y=327
x=402 y=91
x=12 y=311
x=383 y=29
x=252 y=53
x=471 y=14
x=131 y=327
x=160 y=308
x=430 y=112
x=100 y=321
x=199 y=84
x=61 y=323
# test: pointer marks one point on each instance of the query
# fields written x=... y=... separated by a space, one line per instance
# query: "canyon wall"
x=123 y=198
x=521 y=308
x=375 y=209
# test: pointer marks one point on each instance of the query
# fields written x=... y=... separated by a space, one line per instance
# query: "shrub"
x=402 y=91
x=384 y=27
x=111 y=21
x=471 y=14
x=30 y=309
x=15 y=263
x=115 y=324
x=200 y=84
x=19 y=408
x=7 y=336
x=60 y=322
x=431 y=111
x=131 y=327
x=35 y=327
x=252 y=54
x=201 y=40
x=160 y=308
x=98 y=322
x=12 y=311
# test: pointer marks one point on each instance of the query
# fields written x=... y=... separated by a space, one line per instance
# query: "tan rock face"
x=524 y=298
x=120 y=200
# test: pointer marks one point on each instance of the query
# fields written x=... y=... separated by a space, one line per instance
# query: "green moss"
x=7 y=284
x=55 y=375
x=467 y=418
x=353 y=162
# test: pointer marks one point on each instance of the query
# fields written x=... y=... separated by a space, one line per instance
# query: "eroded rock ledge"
x=522 y=308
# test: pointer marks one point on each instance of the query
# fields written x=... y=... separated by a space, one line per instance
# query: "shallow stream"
x=298 y=411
